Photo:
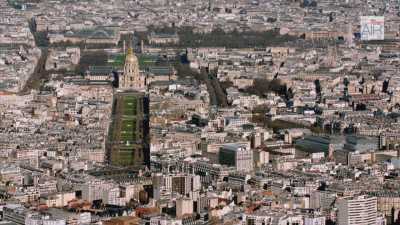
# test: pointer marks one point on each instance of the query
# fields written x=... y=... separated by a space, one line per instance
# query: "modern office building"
x=239 y=156
x=357 y=210
x=129 y=140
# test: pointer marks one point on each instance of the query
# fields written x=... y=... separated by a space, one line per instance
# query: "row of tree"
x=215 y=90
x=220 y=38
x=262 y=87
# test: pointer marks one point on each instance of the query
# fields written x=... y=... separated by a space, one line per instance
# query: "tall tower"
x=131 y=78
x=357 y=210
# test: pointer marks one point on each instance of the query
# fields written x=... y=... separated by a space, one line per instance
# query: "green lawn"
x=118 y=60
x=125 y=157
x=130 y=104
x=128 y=130
x=128 y=122
x=145 y=61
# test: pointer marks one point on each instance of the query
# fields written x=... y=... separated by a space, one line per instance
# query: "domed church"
x=131 y=77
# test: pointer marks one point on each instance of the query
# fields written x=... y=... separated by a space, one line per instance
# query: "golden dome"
x=130 y=56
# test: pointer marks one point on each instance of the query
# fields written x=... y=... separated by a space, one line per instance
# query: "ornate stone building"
x=131 y=78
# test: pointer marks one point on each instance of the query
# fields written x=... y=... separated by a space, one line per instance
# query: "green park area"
x=125 y=156
x=128 y=128
x=124 y=130
x=129 y=106
x=117 y=60
x=145 y=61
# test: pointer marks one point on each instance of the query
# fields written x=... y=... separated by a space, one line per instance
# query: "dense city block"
x=210 y=112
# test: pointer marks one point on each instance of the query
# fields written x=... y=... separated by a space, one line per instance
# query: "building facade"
x=131 y=77
x=239 y=156
x=357 y=210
